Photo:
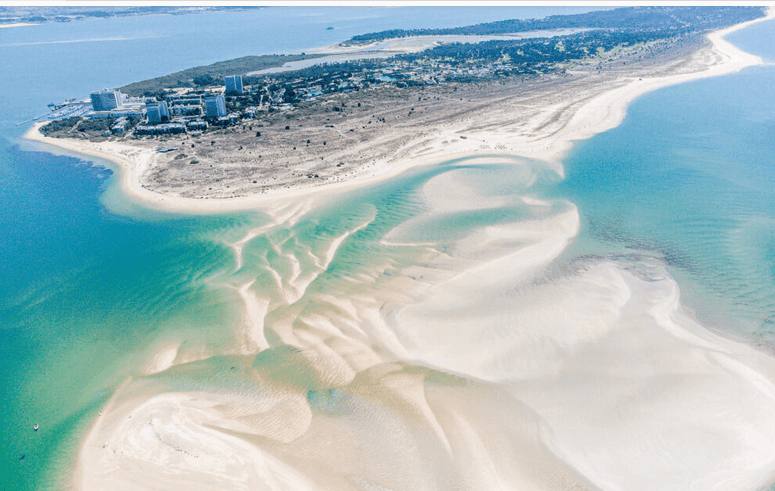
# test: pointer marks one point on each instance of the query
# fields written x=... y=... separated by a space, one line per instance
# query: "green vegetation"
x=454 y=62
x=211 y=74
x=95 y=126
x=641 y=29
x=88 y=127
x=533 y=55
x=58 y=127
x=676 y=19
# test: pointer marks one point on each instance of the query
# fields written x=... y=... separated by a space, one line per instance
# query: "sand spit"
x=411 y=44
x=462 y=366
x=536 y=119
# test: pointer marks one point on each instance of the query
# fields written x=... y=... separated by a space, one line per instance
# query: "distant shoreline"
x=19 y=24
x=18 y=16
x=603 y=110
x=410 y=44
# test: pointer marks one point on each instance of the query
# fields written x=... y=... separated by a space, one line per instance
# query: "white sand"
x=594 y=379
x=633 y=393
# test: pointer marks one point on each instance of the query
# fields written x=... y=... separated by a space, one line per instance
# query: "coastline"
x=130 y=170
x=587 y=117
x=712 y=356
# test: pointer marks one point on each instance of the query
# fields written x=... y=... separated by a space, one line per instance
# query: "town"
x=210 y=99
x=209 y=103
x=112 y=112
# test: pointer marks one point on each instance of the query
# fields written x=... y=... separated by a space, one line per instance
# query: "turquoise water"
x=86 y=295
x=756 y=39
x=83 y=297
x=687 y=178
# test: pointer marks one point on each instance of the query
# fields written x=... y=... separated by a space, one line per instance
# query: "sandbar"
x=599 y=379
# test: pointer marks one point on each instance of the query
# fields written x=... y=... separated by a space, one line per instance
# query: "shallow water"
x=687 y=178
x=89 y=296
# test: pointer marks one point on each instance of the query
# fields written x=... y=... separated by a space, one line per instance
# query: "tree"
x=204 y=80
x=289 y=96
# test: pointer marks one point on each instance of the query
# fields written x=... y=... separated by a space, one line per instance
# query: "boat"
x=36 y=426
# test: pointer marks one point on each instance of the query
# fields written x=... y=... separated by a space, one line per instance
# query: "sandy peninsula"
x=384 y=131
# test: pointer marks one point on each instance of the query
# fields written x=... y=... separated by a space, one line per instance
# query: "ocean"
x=92 y=285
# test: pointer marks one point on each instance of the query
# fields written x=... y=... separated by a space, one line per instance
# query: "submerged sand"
x=471 y=369
x=466 y=367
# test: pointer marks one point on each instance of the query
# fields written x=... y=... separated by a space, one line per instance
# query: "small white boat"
x=36 y=426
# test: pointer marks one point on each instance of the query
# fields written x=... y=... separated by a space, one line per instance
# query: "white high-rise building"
x=105 y=100
x=156 y=111
x=233 y=83
x=215 y=106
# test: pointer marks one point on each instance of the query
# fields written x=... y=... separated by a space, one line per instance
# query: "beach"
x=443 y=364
